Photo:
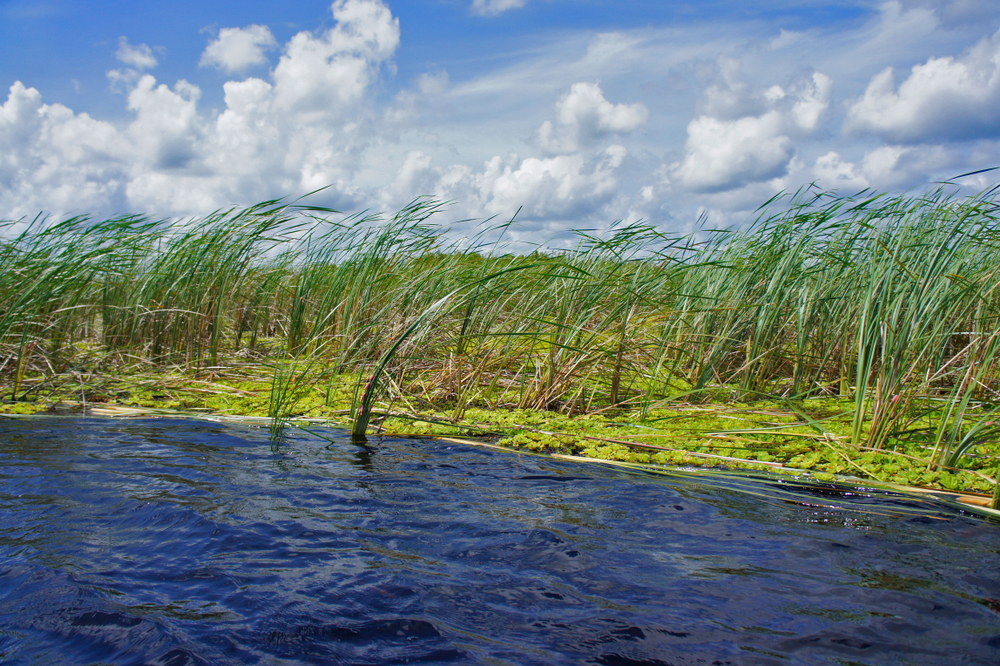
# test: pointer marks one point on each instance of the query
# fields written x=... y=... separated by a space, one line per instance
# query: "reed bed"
x=888 y=304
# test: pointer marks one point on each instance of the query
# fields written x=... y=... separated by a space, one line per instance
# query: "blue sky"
x=579 y=112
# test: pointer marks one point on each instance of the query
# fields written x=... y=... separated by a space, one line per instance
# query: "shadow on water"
x=189 y=542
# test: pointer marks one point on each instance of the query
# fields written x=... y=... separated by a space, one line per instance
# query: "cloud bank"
x=943 y=98
x=730 y=145
x=301 y=131
x=667 y=125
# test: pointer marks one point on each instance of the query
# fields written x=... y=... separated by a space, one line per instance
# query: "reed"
x=889 y=301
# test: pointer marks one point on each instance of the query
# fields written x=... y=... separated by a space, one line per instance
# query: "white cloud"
x=730 y=97
x=576 y=177
x=943 y=98
x=305 y=129
x=583 y=115
x=237 y=49
x=833 y=172
x=882 y=168
x=644 y=123
x=166 y=130
x=564 y=187
x=723 y=152
x=726 y=153
x=556 y=187
x=813 y=101
x=139 y=57
x=55 y=159
x=246 y=131
x=332 y=71
x=494 y=7
x=415 y=177
x=364 y=27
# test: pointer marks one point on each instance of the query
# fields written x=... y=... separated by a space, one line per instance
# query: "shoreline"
x=836 y=335
x=980 y=504
x=762 y=437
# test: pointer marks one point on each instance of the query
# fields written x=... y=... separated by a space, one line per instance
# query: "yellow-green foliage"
x=741 y=435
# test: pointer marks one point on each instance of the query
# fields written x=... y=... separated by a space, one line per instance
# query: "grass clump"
x=835 y=334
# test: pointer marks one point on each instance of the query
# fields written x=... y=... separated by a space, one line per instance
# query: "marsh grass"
x=886 y=304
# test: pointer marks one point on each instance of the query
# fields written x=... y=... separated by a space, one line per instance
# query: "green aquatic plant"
x=361 y=415
x=886 y=305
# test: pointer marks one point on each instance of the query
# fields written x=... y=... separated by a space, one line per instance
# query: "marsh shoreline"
x=833 y=335
x=611 y=438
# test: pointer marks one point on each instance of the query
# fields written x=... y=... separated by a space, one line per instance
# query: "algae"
x=762 y=435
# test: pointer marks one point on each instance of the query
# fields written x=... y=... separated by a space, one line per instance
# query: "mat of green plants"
x=830 y=335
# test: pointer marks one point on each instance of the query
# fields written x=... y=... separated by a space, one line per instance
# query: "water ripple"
x=188 y=542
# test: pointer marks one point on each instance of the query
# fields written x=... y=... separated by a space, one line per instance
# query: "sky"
x=573 y=114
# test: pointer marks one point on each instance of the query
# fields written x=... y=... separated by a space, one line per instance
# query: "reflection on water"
x=185 y=542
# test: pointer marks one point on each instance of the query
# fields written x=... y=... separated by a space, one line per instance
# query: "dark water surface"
x=185 y=542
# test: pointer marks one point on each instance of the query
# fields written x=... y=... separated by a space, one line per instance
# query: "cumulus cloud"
x=55 y=159
x=554 y=187
x=834 y=172
x=727 y=153
x=494 y=7
x=811 y=101
x=575 y=176
x=730 y=97
x=237 y=49
x=883 y=167
x=166 y=130
x=332 y=71
x=583 y=115
x=944 y=98
x=724 y=152
x=688 y=130
x=303 y=130
x=139 y=57
x=308 y=127
x=562 y=187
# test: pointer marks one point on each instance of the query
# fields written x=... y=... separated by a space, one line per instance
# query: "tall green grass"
x=889 y=301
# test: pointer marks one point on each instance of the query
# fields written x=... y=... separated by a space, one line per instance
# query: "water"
x=176 y=542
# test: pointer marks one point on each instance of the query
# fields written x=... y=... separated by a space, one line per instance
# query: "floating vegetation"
x=838 y=334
